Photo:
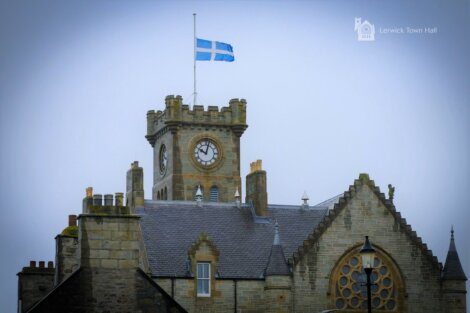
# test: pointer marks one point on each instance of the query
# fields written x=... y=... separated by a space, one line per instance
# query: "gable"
x=378 y=206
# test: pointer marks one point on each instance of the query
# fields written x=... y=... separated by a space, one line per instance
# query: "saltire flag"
x=207 y=50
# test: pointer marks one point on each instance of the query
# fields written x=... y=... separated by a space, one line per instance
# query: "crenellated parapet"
x=177 y=114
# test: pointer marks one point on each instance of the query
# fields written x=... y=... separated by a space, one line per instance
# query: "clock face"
x=206 y=152
x=163 y=159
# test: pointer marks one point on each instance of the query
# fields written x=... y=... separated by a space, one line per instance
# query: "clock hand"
x=207 y=149
x=200 y=150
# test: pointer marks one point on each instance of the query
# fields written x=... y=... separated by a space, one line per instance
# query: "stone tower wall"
x=178 y=127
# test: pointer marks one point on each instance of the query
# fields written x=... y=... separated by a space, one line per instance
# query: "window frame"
x=208 y=279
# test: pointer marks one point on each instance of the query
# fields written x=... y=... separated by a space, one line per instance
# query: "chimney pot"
x=119 y=196
x=72 y=220
x=32 y=263
x=108 y=199
x=89 y=192
x=97 y=199
x=42 y=264
x=50 y=264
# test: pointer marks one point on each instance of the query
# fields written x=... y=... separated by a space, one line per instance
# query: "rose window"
x=350 y=292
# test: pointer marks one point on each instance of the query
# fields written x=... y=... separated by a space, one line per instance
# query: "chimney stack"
x=256 y=189
x=42 y=264
x=135 y=186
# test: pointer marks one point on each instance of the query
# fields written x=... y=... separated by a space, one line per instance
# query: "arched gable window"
x=214 y=194
x=349 y=293
x=158 y=195
x=165 y=194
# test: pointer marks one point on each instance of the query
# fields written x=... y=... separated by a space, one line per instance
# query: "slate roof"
x=170 y=227
x=453 y=269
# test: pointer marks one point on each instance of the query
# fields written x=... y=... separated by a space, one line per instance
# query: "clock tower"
x=196 y=148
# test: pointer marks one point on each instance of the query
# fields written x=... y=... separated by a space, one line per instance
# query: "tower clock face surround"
x=163 y=159
x=206 y=152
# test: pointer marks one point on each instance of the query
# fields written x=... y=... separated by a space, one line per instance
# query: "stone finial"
x=256 y=166
x=237 y=198
x=391 y=192
x=305 y=199
x=89 y=192
x=199 y=196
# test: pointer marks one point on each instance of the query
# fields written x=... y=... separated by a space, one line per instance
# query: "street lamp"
x=368 y=256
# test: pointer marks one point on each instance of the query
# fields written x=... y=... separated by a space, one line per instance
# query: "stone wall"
x=250 y=295
x=66 y=257
x=365 y=214
x=34 y=283
x=108 y=290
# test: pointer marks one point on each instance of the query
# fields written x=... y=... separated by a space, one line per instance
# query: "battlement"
x=39 y=269
x=178 y=114
x=112 y=205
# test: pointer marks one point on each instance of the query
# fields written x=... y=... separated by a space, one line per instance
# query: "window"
x=203 y=279
x=349 y=292
x=214 y=196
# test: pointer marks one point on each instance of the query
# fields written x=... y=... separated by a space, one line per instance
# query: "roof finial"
x=277 y=238
x=237 y=198
x=305 y=200
x=199 y=196
x=452 y=232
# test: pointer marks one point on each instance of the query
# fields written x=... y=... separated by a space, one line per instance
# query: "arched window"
x=158 y=195
x=214 y=195
x=347 y=284
x=165 y=194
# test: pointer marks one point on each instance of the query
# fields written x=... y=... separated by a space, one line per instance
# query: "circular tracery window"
x=350 y=292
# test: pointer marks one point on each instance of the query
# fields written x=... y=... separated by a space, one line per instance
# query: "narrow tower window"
x=214 y=196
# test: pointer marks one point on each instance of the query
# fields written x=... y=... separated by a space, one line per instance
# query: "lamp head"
x=367 y=254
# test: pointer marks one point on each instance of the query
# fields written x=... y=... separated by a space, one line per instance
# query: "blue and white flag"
x=207 y=50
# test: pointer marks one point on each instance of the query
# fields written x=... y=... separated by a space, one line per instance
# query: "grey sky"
x=77 y=78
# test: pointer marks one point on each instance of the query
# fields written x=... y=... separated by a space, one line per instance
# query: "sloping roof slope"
x=170 y=227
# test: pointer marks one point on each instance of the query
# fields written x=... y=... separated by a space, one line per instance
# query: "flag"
x=207 y=50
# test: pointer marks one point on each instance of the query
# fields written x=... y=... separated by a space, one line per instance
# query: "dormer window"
x=214 y=194
x=203 y=279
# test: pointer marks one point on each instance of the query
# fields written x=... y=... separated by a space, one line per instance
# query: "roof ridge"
x=343 y=201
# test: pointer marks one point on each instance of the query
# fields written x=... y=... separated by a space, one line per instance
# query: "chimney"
x=32 y=263
x=42 y=264
x=135 y=186
x=50 y=264
x=256 y=189
x=88 y=200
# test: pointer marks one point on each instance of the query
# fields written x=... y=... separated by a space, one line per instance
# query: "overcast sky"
x=77 y=78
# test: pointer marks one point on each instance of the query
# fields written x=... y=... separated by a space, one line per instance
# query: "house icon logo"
x=365 y=30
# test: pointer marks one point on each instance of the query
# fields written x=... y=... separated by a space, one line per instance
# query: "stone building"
x=197 y=247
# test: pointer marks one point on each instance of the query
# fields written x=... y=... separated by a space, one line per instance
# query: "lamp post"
x=368 y=256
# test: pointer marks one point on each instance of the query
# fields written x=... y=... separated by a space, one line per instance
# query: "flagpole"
x=194 y=60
